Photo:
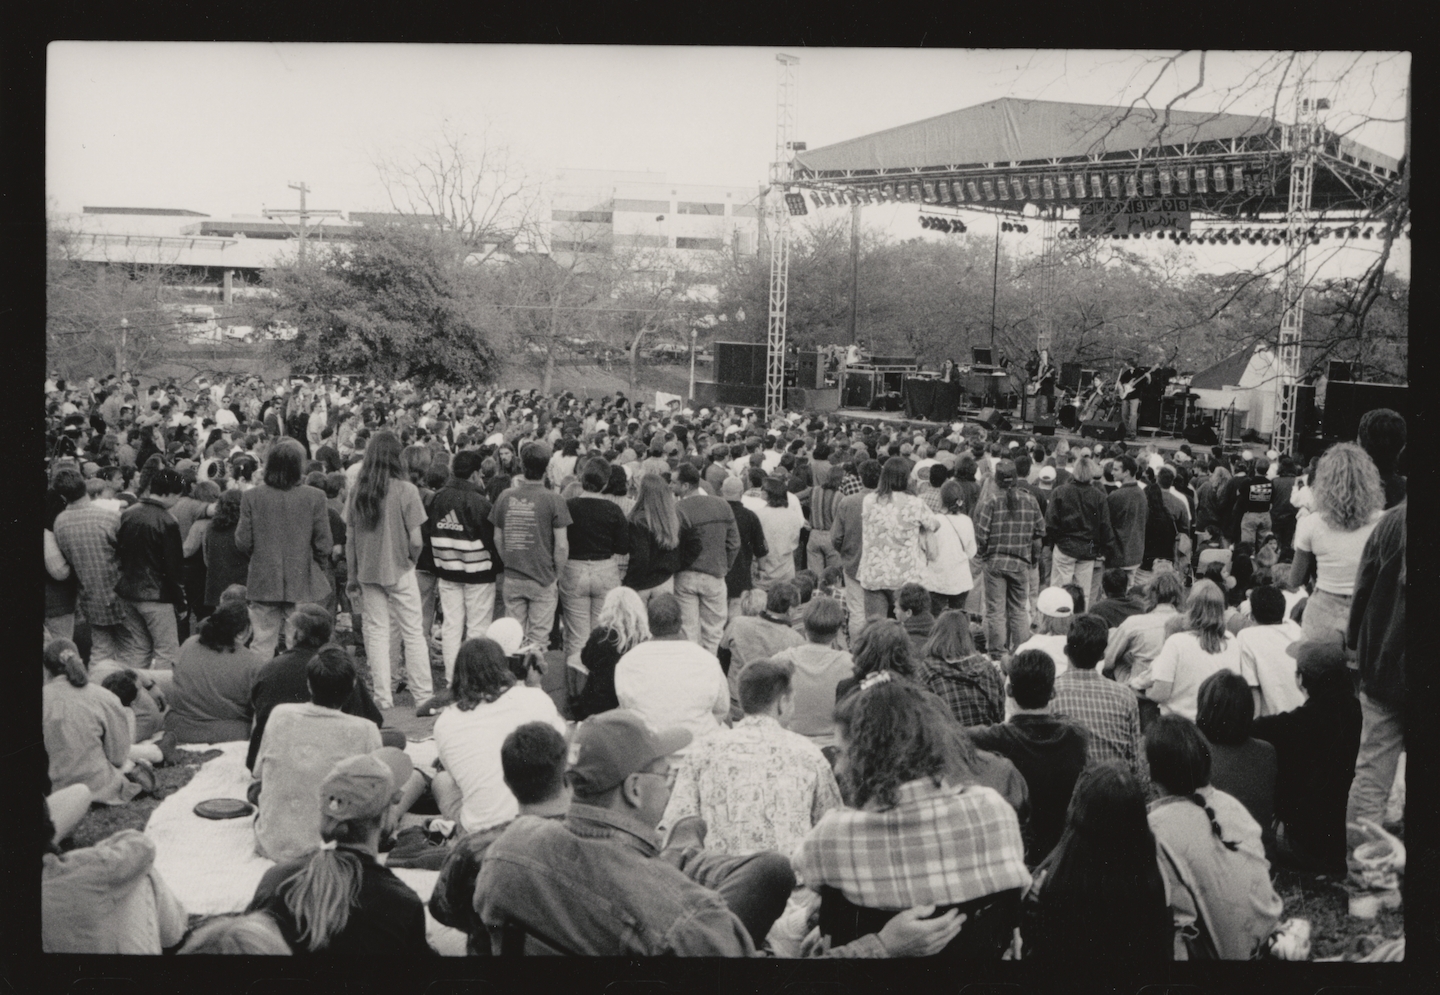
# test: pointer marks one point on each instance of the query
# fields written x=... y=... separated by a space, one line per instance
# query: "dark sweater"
x=752 y=545
x=1049 y=752
x=1315 y=749
x=1127 y=518
x=1116 y=610
x=599 y=657
x=283 y=681
x=1077 y=521
x=1377 y=613
x=718 y=537
x=650 y=565
x=598 y=529
x=224 y=564
x=1247 y=772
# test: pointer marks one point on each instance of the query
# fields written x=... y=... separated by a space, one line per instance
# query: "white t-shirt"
x=1186 y=665
x=1265 y=665
x=469 y=746
x=1337 y=554
x=674 y=682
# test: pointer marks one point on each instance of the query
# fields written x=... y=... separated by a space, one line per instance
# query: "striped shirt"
x=943 y=845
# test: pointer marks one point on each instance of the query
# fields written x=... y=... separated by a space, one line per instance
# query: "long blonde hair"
x=1205 y=616
x=1347 y=487
x=624 y=614
x=321 y=894
x=655 y=510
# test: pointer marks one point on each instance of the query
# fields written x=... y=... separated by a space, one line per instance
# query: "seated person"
x=1265 y=659
x=818 y=667
x=1211 y=852
x=622 y=624
x=489 y=704
x=301 y=743
x=87 y=735
x=1056 y=607
x=881 y=645
x=1049 y=751
x=533 y=761
x=758 y=786
x=245 y=933
x=758 y=637
x=1315 y=749
x=1240 y=765
x=912 y=611
x=1119 y=602
x=916 y=835
x=107 y=898
x=671 y=680
x=599 y=884
x=968 y=681
x=149 y=704
x=341 y=901
x=125 y=685
x=214 y=677
x=285 y=679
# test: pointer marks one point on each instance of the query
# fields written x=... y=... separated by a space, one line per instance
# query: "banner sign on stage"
x=1136 y=216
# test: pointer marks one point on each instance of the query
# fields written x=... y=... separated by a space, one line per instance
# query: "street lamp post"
x=694 y=335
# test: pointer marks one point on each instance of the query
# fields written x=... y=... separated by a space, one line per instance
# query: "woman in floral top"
x=891 y=555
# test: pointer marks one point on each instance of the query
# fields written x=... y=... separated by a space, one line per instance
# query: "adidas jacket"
x=459 y=539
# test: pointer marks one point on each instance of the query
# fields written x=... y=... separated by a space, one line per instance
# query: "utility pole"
x=854 y=266
x=303 y=216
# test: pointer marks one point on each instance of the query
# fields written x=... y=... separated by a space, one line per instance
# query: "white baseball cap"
x=1055 y=602
x=509 y=634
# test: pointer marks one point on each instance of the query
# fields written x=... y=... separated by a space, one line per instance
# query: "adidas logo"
x=451 y=521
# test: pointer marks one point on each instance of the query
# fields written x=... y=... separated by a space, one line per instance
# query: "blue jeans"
x=703 y=605
x=533 y=605
x=1007 y=588
x=1382 y=739
x=583 y=586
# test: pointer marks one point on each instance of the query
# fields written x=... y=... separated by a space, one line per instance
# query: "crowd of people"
x=706 y=683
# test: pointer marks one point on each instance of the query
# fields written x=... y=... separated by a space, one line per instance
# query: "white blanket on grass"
x=211 y=864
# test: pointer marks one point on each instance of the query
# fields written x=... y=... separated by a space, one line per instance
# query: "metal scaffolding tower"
x=779 y=215
x=1049 y=259
x=1302 y=140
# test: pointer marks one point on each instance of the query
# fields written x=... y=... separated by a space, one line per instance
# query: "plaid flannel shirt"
x=88 y=537
x=851 y=485
x=973 y=689
x=942 y=844
x=1006 y=538
x=1110 y=712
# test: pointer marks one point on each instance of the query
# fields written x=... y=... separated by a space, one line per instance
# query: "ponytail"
x=321 y=894
x=1199 y=799
x=61 y=657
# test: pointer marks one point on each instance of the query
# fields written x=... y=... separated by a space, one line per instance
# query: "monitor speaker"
x=990 y=417
x=981 y=356
x=1104 y=431
x=1339 y=370
x=1045 y=425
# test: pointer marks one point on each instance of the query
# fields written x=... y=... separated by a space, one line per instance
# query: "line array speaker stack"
x=810 y=372
x=740 y=363
x=745 y=395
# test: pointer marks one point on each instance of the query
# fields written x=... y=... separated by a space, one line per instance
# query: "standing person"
x=206 y=493
x=1254 y=494
x=531 y=532
x=284 y=528
x=891 y=551
x=1161 y=536
x=1009 y=529
x=1377 y=635
x=461 y=539
x=1349 y=500
x=948 y=578
x=86 y=534
x=152 y=562
x=847 y=536
x=656 y=536
x=598 y=534
x=1107 y=710
x=1211 y=851
x=224 y=563
x=383 y=542
x=782 y=520
x=1077 y=523
x=60 y=581
x=1128 y=514
x=1189 y=656
x=820 y=550
x=1099 y=894
x=1210 y=500
x=1381 y=434
x=1282 y=511
x=700 y=584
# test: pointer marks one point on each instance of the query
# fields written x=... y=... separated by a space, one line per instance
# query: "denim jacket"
x=591 y=885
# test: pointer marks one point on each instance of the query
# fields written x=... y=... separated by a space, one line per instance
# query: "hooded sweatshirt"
x=1049 y=752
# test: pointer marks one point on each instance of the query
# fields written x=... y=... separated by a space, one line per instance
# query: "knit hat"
x=361 y=787
x=1055 y=602
x=609 y=747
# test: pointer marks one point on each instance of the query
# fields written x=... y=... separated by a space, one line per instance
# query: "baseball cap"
x=508 y=633
x=361 y=787
x=1047 y=473
x=609 y=747
x=1055 y=602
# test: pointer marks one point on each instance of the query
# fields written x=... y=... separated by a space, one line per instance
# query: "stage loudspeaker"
x=1104 y=431
x=989 y=416
x=744 y=395
x=1346 y=404
x=823 y=399
x=740 y=363
x=1339 y=370
x=809 y=372
x=981 y=356
x=1070 y=376
x=705 y=393
x=1201 y=435
x=1045 y=425
x=1087 y=379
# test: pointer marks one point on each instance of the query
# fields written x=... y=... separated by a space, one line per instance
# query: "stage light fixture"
x=915 y=191
x=928 y=186
x=1063 y=184
x=1235 y=237
x=1002 y=187
x=1130 y=189
x=1220 y=179
x=1147 y=183
x=795 y=203
x=1114 y=185
x=1077 y=185
x=1237 y=179
x=1097 y=185
x=829 y=202
x=1048 y=186
x=1200 y=179
x=1182 y=180
x=1369 y=232
x=943 y=189
x=960 y=226
x=972 y=189
x=1035 y=187
x=815 y=199
x=989 y=187
x=1164 y=183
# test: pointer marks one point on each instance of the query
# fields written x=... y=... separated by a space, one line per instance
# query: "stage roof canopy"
x=1045 y=137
